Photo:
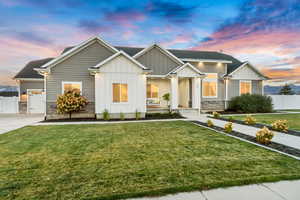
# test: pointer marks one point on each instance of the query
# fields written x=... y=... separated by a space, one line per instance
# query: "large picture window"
x=152 y=91
x=120 y=92
x=210 y=85
x=245 y=87
x=71 y=86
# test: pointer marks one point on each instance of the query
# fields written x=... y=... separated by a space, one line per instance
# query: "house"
x=127 y=79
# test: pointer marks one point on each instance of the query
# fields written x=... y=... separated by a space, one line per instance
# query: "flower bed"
x=258 y=125
x=273 y=145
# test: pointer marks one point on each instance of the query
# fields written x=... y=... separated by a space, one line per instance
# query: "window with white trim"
x=120 y=92
x=71 y=86
x=245 y=87
x=210 y=85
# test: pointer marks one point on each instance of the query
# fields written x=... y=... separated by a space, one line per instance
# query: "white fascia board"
x=163 y=50
x=205 y=60
x=77 y=48
x=254 y=68
x=177 y=69
x=29 y=79
x=116 y=55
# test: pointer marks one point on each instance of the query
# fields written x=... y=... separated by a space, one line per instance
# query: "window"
x=245 y=87
x=152 y=91
x=71 y=86
x=120 y=92
x=210 y=85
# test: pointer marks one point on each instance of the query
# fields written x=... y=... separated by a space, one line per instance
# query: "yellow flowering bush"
x=228 y=127
x=216 y=114
x=280 y=125
x=70 y=102
x=250 y=120
x=210 y=123
x=264 y=135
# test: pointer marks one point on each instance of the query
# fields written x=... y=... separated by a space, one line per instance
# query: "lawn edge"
x=191 y=188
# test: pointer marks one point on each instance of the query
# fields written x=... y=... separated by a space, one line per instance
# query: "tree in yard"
x=70 y=102
x=286 y=90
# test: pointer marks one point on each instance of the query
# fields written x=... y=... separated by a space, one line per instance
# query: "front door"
x=190 y=93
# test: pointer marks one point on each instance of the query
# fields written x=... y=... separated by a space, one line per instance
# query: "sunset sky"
x=264 y=32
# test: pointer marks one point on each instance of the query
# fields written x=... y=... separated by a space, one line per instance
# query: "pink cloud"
x=179 y=39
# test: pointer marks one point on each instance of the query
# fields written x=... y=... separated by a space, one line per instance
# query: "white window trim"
x=112 y=89
x=71 y=82
x=245 y=81
x=211 y=80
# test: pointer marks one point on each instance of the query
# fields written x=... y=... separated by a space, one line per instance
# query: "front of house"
x=128 y=80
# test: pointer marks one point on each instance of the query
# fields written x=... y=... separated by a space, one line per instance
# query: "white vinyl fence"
x=9 y=105
x=283 y=102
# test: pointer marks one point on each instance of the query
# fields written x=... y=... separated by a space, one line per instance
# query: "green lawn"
x=291 y=110
x=293 y=119
x=130 y=159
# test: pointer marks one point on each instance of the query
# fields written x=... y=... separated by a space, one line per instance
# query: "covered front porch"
x=183 y=86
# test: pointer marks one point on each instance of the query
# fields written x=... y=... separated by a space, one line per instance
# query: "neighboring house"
x=127 y=79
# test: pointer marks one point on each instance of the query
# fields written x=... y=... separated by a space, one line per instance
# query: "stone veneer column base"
x=213 y=105
x=22 y=107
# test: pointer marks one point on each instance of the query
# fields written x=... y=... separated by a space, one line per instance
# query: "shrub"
x=70 y=102
x=264 y=135
x=106 y=115
x=137 y=115
x=210 y=123
x=250 y=120
x=280 y=125
x=228 y=127
x=216 y=115
x=122 y=116
x=251 y=103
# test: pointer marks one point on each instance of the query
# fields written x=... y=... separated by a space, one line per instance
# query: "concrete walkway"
x=282 y=138
x=284 y=190
x=9 y=122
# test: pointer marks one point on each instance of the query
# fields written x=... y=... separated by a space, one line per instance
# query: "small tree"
x=166 y=97
x=70 y=102
x=286 y=90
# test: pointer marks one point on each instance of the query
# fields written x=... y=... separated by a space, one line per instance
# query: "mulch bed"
x=273 y=145
x=258 y=125
x=148 y=117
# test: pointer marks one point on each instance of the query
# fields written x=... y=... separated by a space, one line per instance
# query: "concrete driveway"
x=9 y=122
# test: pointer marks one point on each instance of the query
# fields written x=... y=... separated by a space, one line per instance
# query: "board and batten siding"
x=158 y=62
x=246 y=73
x=120 y=70
x=75 y=68
x=24 y=85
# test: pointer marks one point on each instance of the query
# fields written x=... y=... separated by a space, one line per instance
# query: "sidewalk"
x=282 y=138
x=284 y=190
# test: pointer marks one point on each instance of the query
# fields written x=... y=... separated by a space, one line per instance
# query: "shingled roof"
x=28 y=72
x=190 y=54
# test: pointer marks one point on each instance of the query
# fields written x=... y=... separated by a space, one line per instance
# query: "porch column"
x=196 y=91
x=174 y=92
x=226 y=80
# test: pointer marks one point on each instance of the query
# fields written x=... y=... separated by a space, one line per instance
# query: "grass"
x=293 y=119
x=116 y=161
x=291 y=110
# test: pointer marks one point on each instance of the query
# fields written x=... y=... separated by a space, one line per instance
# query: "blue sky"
x=265 y=32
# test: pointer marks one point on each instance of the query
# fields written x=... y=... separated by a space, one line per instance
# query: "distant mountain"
x=275 y=89
x=8 y=88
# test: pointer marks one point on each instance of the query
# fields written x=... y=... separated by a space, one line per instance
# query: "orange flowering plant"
x=70 y=102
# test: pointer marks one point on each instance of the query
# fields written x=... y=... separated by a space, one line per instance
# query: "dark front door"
x=190 y=93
